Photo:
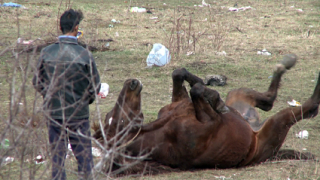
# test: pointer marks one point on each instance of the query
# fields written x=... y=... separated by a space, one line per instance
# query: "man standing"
x=68 y=80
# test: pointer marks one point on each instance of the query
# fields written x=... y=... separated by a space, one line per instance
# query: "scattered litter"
x=137 y=9
x=294 y=103
x=110 y=25
x=303 y=134
x=304 y=149
x=203 y=4
x=190 y=53
x=96 y=152
x=222 y=53
x=7 y=160
x=215 y=80
x=117 y=34
x=153 y=17
x=107 y=45
x=240 y=9
x=11 y=4
x=80 y=34
x=164 y=4
x=158 y=56
x=5 y=144
x=21 y=41
x=270 y=77
x=299 y=10
x=264 y=52
x=115 y=21
x=104 y=90
x=39 y=160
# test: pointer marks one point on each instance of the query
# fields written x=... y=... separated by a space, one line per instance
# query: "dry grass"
x=273 y=25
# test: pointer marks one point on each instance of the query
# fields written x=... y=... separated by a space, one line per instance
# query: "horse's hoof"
x=289 y=60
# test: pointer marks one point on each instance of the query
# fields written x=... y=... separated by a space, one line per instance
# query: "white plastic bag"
x=104 y=90
x=158 y=56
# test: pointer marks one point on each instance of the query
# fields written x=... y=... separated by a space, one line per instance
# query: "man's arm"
x=38 y=80
x=95 y=80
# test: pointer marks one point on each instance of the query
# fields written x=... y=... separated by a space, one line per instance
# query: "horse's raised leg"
x=178 y=76
x=207 y=103
x=245 y=100
x=274 y=131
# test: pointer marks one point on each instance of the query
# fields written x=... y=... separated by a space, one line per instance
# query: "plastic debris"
x=11 y=4
x=153 y=17
x=215 y=80
x=21 y=41
x=203 y=4
x=115 y=21
x=240 y=9
x=80 y=34
x=117 y=34
x=96 y=152
x=137 y=9
x=299 y=10
x=303 y=134
x=294 y=103
x=39 y=160
x=190 y=53
x=5 y=144
x=222 y=53
x=7 y=160
x=158 y=56
x=104 y=90
x=264 y=52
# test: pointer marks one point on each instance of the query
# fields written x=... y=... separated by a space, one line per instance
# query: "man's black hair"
x=69 y=19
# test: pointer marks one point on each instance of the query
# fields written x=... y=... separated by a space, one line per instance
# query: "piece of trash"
x=107 y=45
x=11 y=4
x=203 y=4
x=80 y=34
x=117 y=34
x=110 y=25
x=190 y=53
x=164 y=4
x=222 y=53
x=21 y=41
x=240 y=9
x=96 y=152
x=294 y=103
x=5 y=144
x=115 y=21
x=303 y=134
x=299 y=10
x=304 y=149
x=153 y=17
x=7 y=160
x=39 y=160
x=215 y=80
x=137 y=9
x=264 y=52
x=104 y=90
x=158 y=56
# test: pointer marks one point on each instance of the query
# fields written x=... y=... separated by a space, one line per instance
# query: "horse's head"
x=126 y=115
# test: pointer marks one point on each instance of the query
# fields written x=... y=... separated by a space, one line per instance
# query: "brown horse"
x=202 y=130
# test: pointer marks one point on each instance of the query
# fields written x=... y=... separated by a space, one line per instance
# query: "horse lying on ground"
x=203 y=131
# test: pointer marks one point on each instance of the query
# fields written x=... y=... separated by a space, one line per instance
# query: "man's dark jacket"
x=67 y=78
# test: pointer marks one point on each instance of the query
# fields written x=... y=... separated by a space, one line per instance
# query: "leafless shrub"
x=186 y=34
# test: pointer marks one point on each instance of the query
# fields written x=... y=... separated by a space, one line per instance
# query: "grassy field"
x=281 y=27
